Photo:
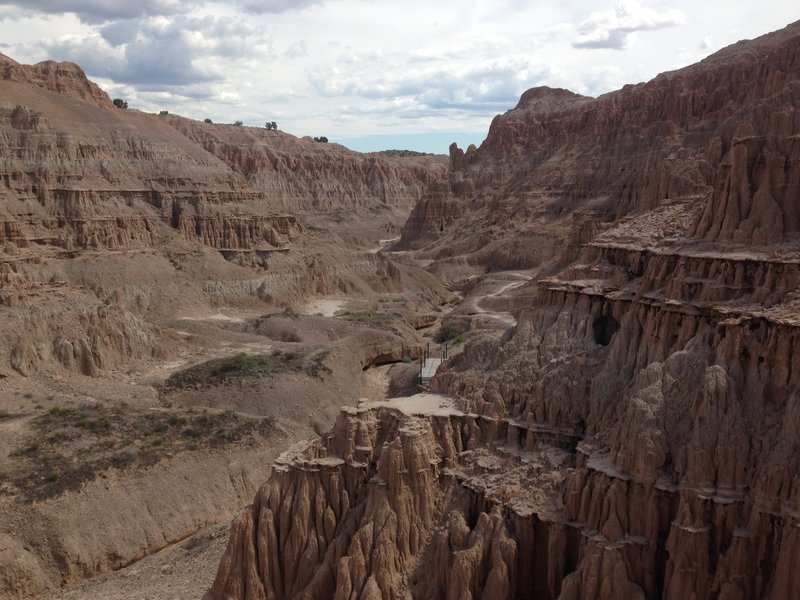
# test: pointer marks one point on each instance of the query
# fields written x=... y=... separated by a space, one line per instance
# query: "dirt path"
x=474 y=305
x=382 y=244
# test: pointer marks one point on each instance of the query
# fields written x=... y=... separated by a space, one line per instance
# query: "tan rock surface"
x=136 y=246
x=634 y=435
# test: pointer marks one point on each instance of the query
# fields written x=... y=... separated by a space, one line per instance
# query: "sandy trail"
x=382 y=244
x=418 y=405
x=474 y=304
x=327 y=307
x=218 y=316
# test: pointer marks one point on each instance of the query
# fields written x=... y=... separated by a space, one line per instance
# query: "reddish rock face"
x=720 y=134
x=635 y=434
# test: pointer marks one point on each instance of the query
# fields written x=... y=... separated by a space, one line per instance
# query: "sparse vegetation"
x=4 y=414
x=218 y=370
x=316 y=366
x=321 y=139
x=163 y=113
x=369 y=317
x=237 y=123
x=447 y=333
x=271 y=126
x=209 y=121
x=74 y=445
x=404 y=153
x=120 y=103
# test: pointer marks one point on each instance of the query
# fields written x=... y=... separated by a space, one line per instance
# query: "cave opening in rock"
x=604 y=329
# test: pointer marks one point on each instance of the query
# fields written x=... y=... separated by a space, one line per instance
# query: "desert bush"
x=369 y=317
x=447 y=333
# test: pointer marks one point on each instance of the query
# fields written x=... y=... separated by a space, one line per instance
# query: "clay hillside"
x=623 y=418
x=167 y=298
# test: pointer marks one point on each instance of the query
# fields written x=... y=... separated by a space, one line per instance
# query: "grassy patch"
x=73 y=445
x=219 y=370
x=369 y=317
x=316 y=367
x=4 y=414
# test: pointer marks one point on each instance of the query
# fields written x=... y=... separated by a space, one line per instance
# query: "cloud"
x=479 y=85
x=615 y=28
x=94 y=54
x=276 y=6
x=104 y=11
x=163 y=51
x=99 y=11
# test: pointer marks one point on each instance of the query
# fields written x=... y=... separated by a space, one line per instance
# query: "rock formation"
x=635 y=434
x=124 y=237
x=82 y=176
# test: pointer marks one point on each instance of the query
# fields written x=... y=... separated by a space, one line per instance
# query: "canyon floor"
x=186 y=569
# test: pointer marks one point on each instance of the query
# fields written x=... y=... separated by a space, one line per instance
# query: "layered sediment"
x=634 y=434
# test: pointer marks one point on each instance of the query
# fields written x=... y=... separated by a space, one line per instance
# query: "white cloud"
x=164 y=51
x=479 y=85
x=361 y=67
x=615 y=28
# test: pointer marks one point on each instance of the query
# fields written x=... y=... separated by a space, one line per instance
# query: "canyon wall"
x=634 y=435
x=83 y=181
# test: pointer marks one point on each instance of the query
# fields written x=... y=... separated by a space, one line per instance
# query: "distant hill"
x=403 y=153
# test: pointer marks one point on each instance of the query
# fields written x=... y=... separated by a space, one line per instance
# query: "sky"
x=372 y=74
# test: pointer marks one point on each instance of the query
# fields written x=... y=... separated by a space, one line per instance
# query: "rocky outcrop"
x=64 y=78
x=390 y=504
x=634 y=435
x=435 y=211
x=299 y=175
x=721 y=134
x=81 y=178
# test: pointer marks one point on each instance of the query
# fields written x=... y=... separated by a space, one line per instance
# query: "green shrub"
x=447 y=333
x=369 y=317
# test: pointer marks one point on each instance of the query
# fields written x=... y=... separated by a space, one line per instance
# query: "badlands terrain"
x=199 y=317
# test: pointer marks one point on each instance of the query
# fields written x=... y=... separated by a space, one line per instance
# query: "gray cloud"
x=104 y=11
x=99 y=11
x=614 y=28
x=276 y=6
x=177 y=51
